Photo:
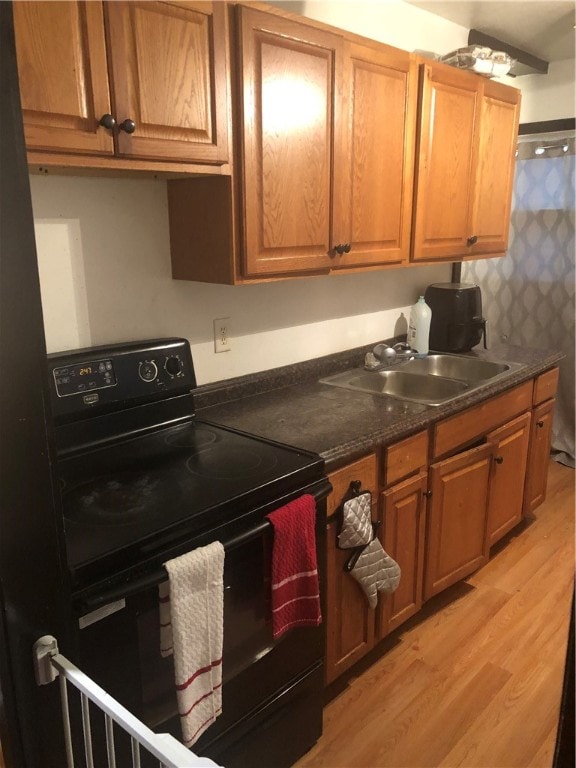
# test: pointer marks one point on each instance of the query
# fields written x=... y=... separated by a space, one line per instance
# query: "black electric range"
x=138 y=470
x=144 y=480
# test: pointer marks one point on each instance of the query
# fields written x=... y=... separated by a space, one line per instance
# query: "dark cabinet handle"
x=499 y=459
x=342 y=248
x=128 y=126
x=107 y=121
x=472 y=240
x=427 y=494
x=540 y=424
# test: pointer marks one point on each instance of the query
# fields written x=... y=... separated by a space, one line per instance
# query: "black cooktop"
x=183 y=478
x=139 y=473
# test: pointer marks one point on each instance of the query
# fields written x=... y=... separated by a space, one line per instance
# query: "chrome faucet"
x=383 y=356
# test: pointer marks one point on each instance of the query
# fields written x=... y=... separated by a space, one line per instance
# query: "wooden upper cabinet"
x=168 y=70
x=160 y=65
x=374 y=167
x=495 y=170
x=328 y=129
x=63 y=76
x=449 y=108
x=465 y=169
x=288 y=73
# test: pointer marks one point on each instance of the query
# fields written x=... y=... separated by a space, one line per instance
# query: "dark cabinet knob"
x=540 y=424
x=342 y=248
x=499 y=459
x=472 y=240
x=128 y=126
x=427 y=494
x=107 y=121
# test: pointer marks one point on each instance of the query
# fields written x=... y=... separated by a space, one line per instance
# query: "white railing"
x=49 y=664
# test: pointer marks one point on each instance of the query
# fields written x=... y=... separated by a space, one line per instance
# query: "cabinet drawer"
x=405 y=457
x=475 y=422
x=363 y=470
x=545 y=386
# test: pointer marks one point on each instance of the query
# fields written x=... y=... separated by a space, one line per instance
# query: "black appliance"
x=457 y=324
x=144 y=480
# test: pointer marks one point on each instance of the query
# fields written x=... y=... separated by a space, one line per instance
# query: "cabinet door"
x=457 y=542
x=374 y=168
x=404 y=519
x=350 y=622
x=508 y=475
x=168 y=70
x=288 y=73
x=496 y=164
x=538 y=456
x=450 y=104
x=63 y=76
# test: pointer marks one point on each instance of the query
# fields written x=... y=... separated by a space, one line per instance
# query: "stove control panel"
x=119 y=375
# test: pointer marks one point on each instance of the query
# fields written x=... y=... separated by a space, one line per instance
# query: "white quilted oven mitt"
x=356 y=524
x=376 y=571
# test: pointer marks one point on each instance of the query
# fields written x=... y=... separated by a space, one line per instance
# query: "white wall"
x=550 y=96
x=105 y=274
x=388 y=21
x=105 y=265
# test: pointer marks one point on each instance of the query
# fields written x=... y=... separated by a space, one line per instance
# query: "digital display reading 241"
x=85 y=377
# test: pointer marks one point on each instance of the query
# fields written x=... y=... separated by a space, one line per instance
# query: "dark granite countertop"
x=289 y=404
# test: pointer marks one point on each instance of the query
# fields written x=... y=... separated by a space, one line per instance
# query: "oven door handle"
x=160 y=574
x=123 y=591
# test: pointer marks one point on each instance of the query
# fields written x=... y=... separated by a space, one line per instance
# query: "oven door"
x=119 y=646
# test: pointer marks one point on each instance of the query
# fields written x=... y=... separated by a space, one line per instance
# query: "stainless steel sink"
x=430 y=380
x=429 y=390
x=468 y=369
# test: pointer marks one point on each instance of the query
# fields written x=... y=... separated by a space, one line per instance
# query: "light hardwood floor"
x=475 y=680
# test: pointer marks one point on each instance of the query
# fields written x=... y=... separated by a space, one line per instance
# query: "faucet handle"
x=402 y=346
x=384 y=353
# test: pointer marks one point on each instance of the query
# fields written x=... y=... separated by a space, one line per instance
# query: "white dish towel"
x=191 y=615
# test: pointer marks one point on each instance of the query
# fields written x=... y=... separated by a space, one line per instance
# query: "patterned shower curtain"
x=528 y=295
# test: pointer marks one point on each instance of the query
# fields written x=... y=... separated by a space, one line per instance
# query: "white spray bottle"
x=419 y=326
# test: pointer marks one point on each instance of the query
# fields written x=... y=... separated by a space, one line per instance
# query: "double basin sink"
x=431 y=380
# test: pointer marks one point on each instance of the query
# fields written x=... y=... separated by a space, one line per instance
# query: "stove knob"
x=148 y=370
x=173 y=366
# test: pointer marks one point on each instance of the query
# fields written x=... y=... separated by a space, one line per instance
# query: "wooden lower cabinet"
x=352 y=627
x=508 y=474
x=350 y=623
x=404 y=524
x=538 y=456
x=438 y=520
x=457 y=541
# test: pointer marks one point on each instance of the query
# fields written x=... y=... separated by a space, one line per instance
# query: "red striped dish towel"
x=295 y=592
x=191 y=618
